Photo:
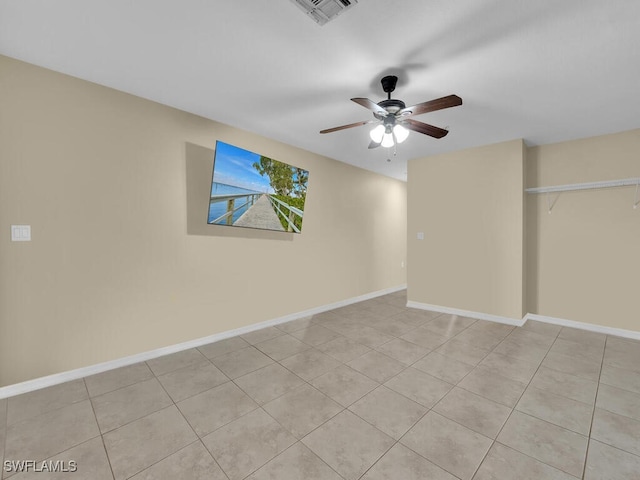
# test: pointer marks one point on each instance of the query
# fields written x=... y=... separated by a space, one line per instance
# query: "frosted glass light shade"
x=387 y=140
x=401 y=133
x=377 y=133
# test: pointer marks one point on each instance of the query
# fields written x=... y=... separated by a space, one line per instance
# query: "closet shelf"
x=586 y=186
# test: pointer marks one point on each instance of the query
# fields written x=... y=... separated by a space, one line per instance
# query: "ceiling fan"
x=394 y=117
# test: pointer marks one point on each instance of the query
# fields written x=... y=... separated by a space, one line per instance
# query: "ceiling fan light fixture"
x=387 y=140
x=377 y=133
x=401 y=133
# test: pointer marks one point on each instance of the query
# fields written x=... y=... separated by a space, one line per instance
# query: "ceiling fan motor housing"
x=389 y=83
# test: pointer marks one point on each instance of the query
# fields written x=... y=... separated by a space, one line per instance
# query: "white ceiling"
x=542 y=70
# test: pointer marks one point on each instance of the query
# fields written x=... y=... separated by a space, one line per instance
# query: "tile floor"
x=370 y=391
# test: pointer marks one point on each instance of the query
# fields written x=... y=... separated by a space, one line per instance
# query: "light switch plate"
x=420 y=235
x=20 y=233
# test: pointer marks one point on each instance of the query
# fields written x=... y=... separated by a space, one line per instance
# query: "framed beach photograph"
x=253 y=191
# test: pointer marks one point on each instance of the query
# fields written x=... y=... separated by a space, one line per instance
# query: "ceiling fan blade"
x=371 y=105
x=351 y=125
x=435 y=132
x=431 y=106
x=373 y=144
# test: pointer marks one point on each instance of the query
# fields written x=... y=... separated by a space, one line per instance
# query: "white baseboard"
x=466 y=313
x=591 y=327
x=55 y=379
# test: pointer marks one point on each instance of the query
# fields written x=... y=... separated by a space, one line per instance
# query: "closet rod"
x=586 y=186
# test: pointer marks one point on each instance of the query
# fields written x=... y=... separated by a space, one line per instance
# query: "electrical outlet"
x=20 y=233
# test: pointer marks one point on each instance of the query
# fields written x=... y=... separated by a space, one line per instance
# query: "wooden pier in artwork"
x=260 y=215
x=262 y=212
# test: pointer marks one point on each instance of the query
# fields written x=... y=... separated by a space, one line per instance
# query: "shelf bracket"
x=550 y=203
x=637 y=200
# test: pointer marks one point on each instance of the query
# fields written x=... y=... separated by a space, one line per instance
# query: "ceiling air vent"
x=322 y=11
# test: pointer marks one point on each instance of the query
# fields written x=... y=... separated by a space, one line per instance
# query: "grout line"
x=514 y=409
x=593 y=413
x=104 y=446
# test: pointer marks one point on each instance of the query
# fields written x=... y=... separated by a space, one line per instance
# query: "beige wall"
x=469 y=204
x=584 y=258
x=116 y=265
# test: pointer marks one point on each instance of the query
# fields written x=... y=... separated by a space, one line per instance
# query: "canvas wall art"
x=253 y=191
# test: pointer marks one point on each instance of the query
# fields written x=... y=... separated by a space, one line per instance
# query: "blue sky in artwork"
x=234 y=166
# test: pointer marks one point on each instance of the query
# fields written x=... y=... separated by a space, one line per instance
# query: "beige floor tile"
x=315 y=335
x=496 y=329
x=302 y=410
x=486 y=383
x=124 y=405
x=386 y=310
x=189 y=381
x=341 y=325
x=193 y=462
x=584 y=351
x=445 y=368
x=556 y=409
x=416 y=318
x=169 y=363
x=628 y=359
x=425 y=338
x=43 y=436
x=268 y=383
x=261 y=335
x=510 y=367
x=377 y=366
x=216 y=407
x=120 y=377
x=3 y=435
x=89 y=461
x=34 y=403
x=621 y=378
x=517 y=348
x=282 y=346
x=241 y=362
x=296 y=463
x=449 y=325
x=462 y=351
x=388 y=411
x=368 y=336
x=505 y=463
x=223 y=347
x=344 y=385
x=528 y=337
x=344 y=349
x=542 y=328
x=619 y=401
x=553 y=445
x=295 y=325
x=568 y=364
x=403 y=351
x=616 y=430
x=607 y=463
x=140 y=444
x=402 y=463
x=310 y=364
x=419 y=387
x=565 y=384
x=623 y=344
x=393 y=326
x=478 y=338
x=448 y=444
x=348 y=444
x=473 y=411
x=247 y=443
x=582 y=336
